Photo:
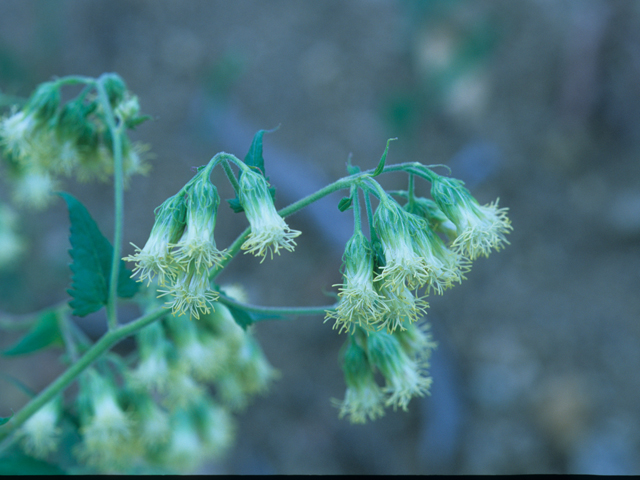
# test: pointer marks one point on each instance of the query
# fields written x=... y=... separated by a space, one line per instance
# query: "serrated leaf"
x=43 y=333
x=4 y=420
x=91 y=253
x=383 y=159
x=345 y=203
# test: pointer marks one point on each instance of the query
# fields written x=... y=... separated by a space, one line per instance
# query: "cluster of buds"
x=46 y=139
x=402 y=360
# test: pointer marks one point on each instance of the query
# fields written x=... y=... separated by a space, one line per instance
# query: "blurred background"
x=536 y=102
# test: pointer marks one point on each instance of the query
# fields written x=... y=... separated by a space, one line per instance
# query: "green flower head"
x=364 y=399
x=156 y=257
x=360 y=305
x=269 y=232
x=395 y=228
x=479 y=228
x=405 y=377
x=197 y=247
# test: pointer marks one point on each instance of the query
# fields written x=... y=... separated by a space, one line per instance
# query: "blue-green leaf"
x=91 y=253
x=43 y=333
x=4 y=420
x=383 y=159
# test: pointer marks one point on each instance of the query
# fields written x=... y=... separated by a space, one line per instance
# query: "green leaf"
x=254 y=159
x=345 y=203
x=43 y=333
x=91 y=253
x=383 y=159
x=254 y=155
x=15 y=462
x=4 y=420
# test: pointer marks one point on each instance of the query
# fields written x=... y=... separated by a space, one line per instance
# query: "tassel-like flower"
x=40 y=435
x=156 y=257
x=479 y=228
x=360 y=305
x=269 y=231
x=406 y=376
x=197 y=246
x=395 y=228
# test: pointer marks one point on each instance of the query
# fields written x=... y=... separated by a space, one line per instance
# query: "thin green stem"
x=118 y=184
x=107 y=341
x=288 y=311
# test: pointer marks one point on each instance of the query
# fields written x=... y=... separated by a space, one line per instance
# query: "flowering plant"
x=170 y=404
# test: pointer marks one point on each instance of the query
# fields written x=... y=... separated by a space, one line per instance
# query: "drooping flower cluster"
x=379 y=299
x=402 y=360
x=382 y=291
x=181 y=248
x=46 y=139
x=269 y=231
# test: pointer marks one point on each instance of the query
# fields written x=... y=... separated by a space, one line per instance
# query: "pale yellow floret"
x=107 y=437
